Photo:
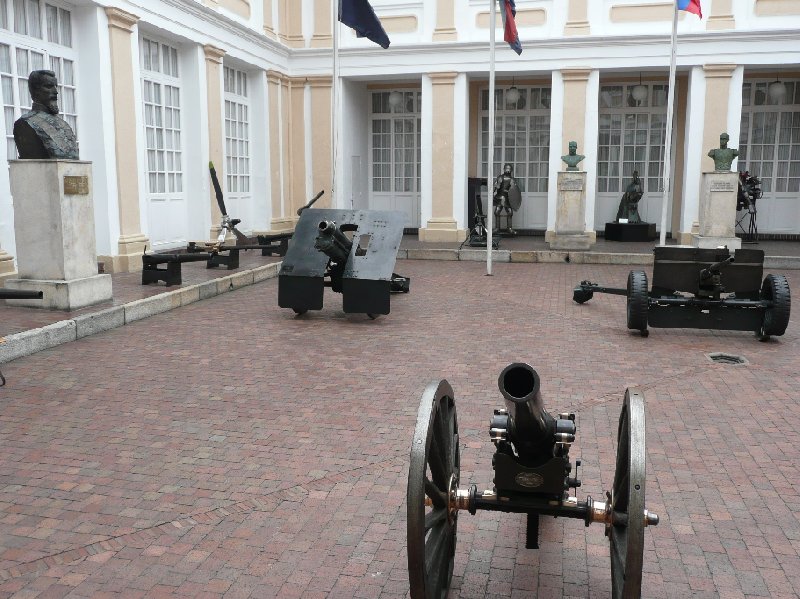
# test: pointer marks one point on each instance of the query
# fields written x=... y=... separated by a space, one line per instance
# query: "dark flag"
x=358 y=15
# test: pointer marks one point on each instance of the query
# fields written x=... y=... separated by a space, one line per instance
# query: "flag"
x=358 y=15
x=510 y=34
x=690 y=6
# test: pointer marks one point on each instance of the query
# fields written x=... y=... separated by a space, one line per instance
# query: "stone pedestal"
x=6 y=265
x=717 y=211
x=570 y=232
x=54 y=227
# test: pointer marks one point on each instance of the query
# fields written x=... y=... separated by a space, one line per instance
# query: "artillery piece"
x=531 y=476
x=727 y=292
x=355 y=255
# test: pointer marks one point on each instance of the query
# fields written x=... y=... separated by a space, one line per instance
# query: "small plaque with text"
x=76 y=186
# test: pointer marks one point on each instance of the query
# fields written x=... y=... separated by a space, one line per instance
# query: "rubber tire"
x=775 y=288
x=637 y=301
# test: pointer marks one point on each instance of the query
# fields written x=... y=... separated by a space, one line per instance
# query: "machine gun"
x=351 y=251
x=12 y=294
x=531 y=476
x=749 y=303
x=749 y=190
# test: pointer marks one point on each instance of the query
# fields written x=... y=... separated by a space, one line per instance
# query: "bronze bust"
x=723 y=156
x=572 y=159
x=40 y=133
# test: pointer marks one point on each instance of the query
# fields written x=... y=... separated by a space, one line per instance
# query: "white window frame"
x=237 y=133
x=396 y=117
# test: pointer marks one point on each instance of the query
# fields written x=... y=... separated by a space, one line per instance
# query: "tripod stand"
x=750 y=214
x=477 y=234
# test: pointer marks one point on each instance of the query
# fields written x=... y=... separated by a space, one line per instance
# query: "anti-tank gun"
x=532 y=476
x=351 y=251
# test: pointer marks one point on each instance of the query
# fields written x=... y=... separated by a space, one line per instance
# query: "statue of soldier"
x=40 y=133
x=629 y=204
x=723 y=156
x=573 y=158
x=506 y=198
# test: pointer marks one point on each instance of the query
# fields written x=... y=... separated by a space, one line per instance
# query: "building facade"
x=157 y=88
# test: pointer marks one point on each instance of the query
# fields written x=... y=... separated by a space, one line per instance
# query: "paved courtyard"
x=230 y=449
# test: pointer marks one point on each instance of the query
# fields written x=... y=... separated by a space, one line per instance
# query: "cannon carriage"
x=703 y=289
x=532 y=476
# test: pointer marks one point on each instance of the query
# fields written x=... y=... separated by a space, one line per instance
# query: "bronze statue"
x=40 y=133
x=629 y=204
x=723 y=156
x=572 y=159
x=507 y=198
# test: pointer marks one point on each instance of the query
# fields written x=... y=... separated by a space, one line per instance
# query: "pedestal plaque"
x=570 y=230
x=54 y=226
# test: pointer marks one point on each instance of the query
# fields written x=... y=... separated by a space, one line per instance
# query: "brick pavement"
x=135 y=463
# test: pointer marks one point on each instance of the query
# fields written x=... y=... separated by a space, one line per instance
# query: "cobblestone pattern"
x=231 y=449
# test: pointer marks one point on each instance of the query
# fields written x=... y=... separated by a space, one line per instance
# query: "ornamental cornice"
x=579 y=74
x=213 y=54
x=719 y=70
x=444 y=78
x=121 y=19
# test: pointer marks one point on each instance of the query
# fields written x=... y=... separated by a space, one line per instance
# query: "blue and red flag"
x=691 y=6
x=508 y=11
x=358 y=15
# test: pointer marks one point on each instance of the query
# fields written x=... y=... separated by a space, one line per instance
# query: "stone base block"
x=703 y=241
x=571 y=241
x=64 y=295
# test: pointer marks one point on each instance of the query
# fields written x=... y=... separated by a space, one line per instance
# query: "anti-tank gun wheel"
x=628 y=517
x=776 y=318
x=432 y=479
x=637 y=301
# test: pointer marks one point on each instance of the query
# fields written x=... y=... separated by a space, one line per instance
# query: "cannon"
x=351 y=251
x=12 y=294
x=532 y=476
x=727 y=292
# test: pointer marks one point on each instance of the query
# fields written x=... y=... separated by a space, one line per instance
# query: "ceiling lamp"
x=395 y=99
x=776 y=90
x=512 y=95
x=639 y=92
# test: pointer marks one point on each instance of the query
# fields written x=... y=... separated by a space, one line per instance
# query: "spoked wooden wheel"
x=432 y=480
x=626 y=532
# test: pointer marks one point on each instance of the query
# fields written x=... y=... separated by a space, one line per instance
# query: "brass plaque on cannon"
x=76 y=186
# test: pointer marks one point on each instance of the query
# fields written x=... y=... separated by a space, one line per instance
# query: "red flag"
x=691 y=6
x=510 y=34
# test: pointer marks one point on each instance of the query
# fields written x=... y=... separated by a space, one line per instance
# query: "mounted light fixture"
x=512 y=95
x=776 y=90
x=639 y=92
x=395 y=99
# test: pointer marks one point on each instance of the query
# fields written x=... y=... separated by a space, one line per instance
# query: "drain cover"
x=726 y=358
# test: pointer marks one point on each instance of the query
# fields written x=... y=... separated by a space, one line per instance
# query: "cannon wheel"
x=626 y=532
x=637 y=301
x=433 y=473
x=775 y=289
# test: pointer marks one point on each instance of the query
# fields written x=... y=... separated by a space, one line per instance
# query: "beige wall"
x=573 y=125
x=577 y=18
x=442 y=225
x=399 y=24
x=322 y=37
x=721 y=16
x=131 y=241
x=269 y=26
x=642 y=13
x=445 y=22
x=765 y=8
x=321 y=157
x=215 y=110
x=290 y=18
x=278 y=127
x=718 y=83
x=528 y=17
x=297 y=145
x=239 y=7
x=681 y=102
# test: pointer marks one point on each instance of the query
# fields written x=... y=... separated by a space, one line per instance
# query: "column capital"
x=578 y=74
x=213 y=54
x=295 y=82
x=320 y=81
x=445 y=78
x=719 y=70
x=275 y=77
x=121 y=19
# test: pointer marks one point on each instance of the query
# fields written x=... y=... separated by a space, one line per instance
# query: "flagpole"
x=668 y=136
x=490 y=148
x=336 y=9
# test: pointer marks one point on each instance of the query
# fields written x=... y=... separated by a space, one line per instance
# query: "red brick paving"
x=229 y=449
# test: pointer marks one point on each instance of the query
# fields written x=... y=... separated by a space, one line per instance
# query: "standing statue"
x=629 y=204
x=723 y=156
x=572 y=159
x=40 y=133
x=506 y=198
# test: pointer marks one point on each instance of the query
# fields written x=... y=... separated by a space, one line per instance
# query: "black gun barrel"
x=530 y=426
x=311 y=203
x=715 y=268
x=20 y=294
x=332 y=242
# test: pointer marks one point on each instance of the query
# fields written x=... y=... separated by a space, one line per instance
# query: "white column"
x=426 y=152
x=693 y=153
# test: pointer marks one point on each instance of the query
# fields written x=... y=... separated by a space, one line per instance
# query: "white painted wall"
x=693 y=149
x=353 y=173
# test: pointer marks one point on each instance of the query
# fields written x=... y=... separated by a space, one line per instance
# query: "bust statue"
x=629 y=204
x=723 y=156
x=40 y=133
x=572 y=159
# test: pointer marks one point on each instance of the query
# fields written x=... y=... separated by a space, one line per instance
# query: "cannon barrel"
x=531 y=428
x=20 y=294
x=715 y=268
x=332 y=242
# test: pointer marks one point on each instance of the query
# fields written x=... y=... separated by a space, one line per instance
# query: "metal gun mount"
x=727 y=292
x=532 y=476
x=355 y=255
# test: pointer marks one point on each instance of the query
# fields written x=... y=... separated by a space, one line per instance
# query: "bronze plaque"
x=76 y=186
